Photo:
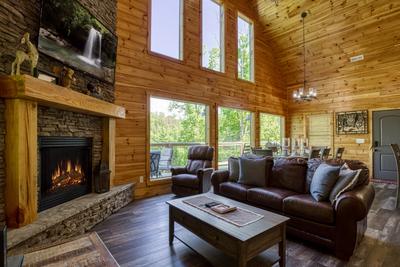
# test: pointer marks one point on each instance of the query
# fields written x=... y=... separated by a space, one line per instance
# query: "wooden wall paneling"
x=21 y=163
x=140 y=73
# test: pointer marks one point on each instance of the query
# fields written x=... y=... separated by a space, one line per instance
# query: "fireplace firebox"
x=65 y=169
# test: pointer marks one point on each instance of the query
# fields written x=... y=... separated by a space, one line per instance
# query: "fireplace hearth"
x=65 y=169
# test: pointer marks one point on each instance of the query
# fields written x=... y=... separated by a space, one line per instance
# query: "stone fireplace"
x=62 y=134
x=56 y=138
x=65 y=171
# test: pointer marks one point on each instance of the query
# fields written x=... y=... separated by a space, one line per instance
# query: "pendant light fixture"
x=301 y=94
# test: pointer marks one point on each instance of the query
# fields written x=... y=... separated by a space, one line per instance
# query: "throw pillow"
x=323 y=181
x=252 y=171
x=347 y=180
x=233 y=168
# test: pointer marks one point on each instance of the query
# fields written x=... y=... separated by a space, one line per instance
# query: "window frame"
x=182 y=28
x=223 y=29
x=282 y=125
x=252 y=48
x=167 y=180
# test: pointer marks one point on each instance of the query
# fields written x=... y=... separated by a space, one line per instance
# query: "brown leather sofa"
x=338 y=228
x=195 y=177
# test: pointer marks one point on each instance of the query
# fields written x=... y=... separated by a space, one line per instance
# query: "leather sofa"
x=338 y=227
x=195 y=177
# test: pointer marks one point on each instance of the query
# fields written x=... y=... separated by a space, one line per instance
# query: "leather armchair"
x=195 y=177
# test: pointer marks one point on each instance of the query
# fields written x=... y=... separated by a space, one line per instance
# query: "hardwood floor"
x=138 y=236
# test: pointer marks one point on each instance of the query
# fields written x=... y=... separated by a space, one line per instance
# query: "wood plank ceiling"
x=335 y=31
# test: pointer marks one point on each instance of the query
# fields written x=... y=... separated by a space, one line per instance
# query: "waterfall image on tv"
x=70 y=34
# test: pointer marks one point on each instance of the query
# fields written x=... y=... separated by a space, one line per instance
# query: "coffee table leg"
x=171 y=226
x=282 y=247
x=242 y=259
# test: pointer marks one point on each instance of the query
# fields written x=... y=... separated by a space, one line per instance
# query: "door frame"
x=371 y=134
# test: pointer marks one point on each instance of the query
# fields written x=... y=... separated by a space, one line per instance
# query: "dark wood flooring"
x=138 y=236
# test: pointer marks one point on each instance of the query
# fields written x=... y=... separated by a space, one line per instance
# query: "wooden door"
x=386 y=131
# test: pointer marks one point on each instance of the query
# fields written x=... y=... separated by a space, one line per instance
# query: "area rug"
x=87 y=250
x=240 y=217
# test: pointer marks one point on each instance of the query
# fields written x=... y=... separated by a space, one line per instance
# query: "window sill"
x=165 y=57
x=246 y=81
x=221 y=73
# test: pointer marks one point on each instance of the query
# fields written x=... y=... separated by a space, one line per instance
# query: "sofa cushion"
x=233 y=168
x=270 y=197
x=234 y=190
x=305 y=206
x=252 y=171
x=289 y=173
x=323 y=181
x=186 y=180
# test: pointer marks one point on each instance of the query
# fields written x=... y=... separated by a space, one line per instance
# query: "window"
x=174 y=126
x=166 y=27
x=245 y=49
x=234 y=133
x=271 y=130
x=212 y=35
x=320 y=130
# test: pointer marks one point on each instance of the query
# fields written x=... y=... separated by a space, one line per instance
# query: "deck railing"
x=179 y=154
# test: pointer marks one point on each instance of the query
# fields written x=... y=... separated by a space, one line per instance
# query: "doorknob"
x=376 y=144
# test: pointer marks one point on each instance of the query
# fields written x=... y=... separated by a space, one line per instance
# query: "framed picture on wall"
x=352 y=122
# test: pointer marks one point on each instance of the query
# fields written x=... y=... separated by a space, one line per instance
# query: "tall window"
x=174 y=126
x=166 y=27
x=245 y=49
x=212 y=35
x=271 y=129
x=234 y=133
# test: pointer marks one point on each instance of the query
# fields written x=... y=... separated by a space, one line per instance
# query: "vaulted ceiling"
x=335 y=31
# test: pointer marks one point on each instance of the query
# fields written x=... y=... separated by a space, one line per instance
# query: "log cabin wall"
x=336 y=31
x=140 y=74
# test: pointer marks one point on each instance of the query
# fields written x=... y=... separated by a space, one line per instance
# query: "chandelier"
x=301 y=94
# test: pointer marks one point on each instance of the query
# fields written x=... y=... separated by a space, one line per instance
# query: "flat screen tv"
x=72 y=35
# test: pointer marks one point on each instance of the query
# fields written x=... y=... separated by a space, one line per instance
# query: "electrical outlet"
x=357 y=58
x=141 y=179
x=360 y=141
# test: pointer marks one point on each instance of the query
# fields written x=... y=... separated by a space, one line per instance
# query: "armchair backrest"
x=199 y=157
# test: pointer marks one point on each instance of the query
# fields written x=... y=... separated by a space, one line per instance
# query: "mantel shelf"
x=49 y=94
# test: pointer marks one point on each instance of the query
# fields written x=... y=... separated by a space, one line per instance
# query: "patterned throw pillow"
x=323 y=181
x=348 y=178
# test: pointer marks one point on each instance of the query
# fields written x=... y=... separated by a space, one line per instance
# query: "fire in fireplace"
x=67 y=174
x=66 y=169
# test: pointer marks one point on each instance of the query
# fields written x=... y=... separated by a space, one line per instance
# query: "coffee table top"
x=243 y=233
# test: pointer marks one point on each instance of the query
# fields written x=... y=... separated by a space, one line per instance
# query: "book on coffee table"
x=222 y=208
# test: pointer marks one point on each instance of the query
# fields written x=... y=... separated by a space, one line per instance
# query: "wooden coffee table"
x=247 y=245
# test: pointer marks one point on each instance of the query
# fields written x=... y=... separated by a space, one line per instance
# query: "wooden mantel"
x=49 y=94
x=22 y=96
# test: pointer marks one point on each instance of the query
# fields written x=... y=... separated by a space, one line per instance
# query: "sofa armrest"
x=355 y=204
x=351 y=219
x=204 y=176
x=178 y=170
x=219 y=177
